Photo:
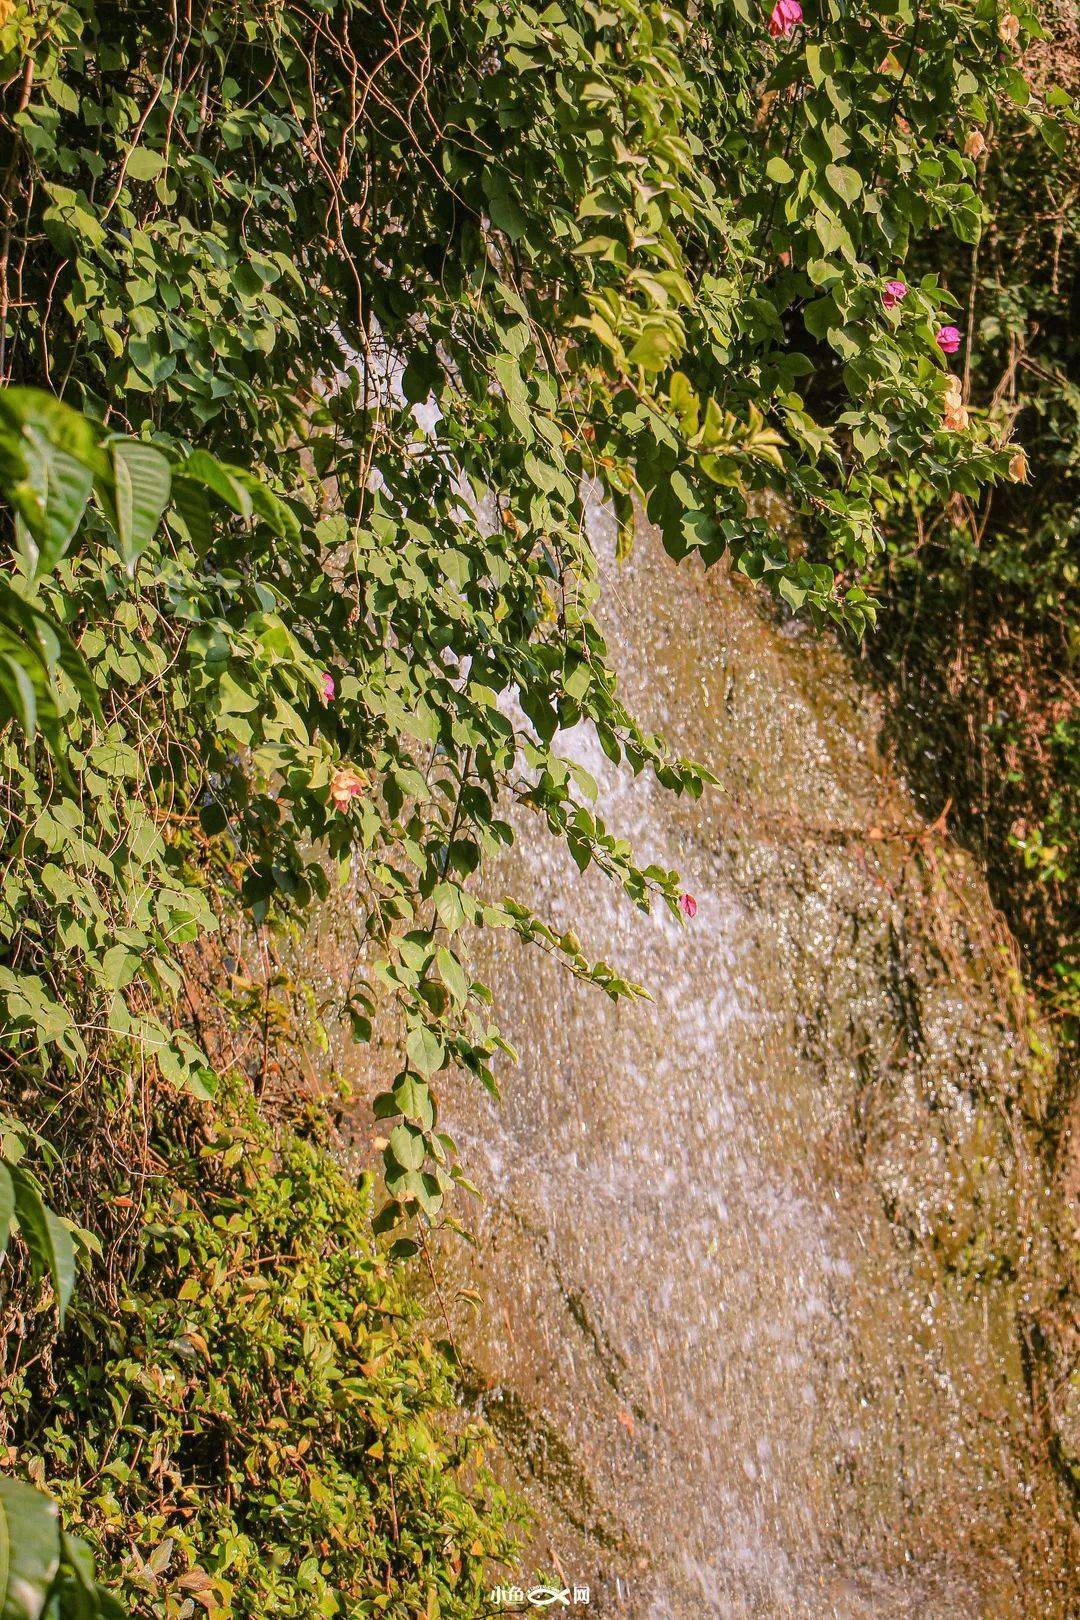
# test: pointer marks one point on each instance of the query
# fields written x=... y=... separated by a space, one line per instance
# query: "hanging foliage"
x=322 y=325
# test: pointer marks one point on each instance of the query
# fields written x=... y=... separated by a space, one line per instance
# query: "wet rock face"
x=756 y=1256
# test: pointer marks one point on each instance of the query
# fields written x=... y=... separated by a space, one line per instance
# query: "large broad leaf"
x=143 y=478
x=29 y=1549
x=51 y=499
x=50 y=456
x=69 y=430
x=48 y=1239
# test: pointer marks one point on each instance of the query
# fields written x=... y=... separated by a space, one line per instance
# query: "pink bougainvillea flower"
x=688 y=905
x=785 y=18
x=947 y=339
x=895 y=292
x=346 y=784
x=975 y=145
x=329 y=690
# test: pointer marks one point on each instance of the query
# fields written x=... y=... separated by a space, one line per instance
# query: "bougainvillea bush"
x=321 y=324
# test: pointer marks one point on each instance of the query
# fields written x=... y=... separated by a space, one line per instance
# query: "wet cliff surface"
x=756 y=1257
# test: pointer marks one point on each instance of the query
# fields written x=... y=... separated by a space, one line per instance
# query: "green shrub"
x=251 y=1417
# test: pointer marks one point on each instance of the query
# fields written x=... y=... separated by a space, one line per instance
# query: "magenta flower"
x=688 y=905
x=895 y=292
x=948 y=339
x=329 y=690
x=786 y=17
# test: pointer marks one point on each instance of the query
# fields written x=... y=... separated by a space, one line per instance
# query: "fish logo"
x=539 y=1597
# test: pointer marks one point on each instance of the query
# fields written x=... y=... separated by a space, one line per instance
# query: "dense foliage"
x=981 y=599
x=254 y=1420
x=321 y=324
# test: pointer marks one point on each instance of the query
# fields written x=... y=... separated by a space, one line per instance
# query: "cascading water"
x=751 y=1254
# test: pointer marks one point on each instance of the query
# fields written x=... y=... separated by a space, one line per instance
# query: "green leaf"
x=33 y=646
x=1017 y=88
x=453 y=974
x=75 y=668
x=52 y=1252
x=517 y=399
x=119 y=966
x=191 y=513
x=425 y=1050
x=18 y=698
x=654 y=348
x=143 y=479
x=407 y=1146
x=1054 y=136
x=144 y=164
x=207 y=470
x=503 y=207
x=412 y=1098
x=80 y=1591
x=181 y=1063
x=7 y=1205
x=832 y=235
x=51 y=500
x=819 y=316
x=69 y=430
x=779 y=170
x=449 y=907
x=30 y=1541
x=387 y=1217
x=270 y=507
x=845 y=181
x=45 y=1574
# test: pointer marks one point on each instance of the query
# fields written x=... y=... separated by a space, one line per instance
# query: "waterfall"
x=751 y=1253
